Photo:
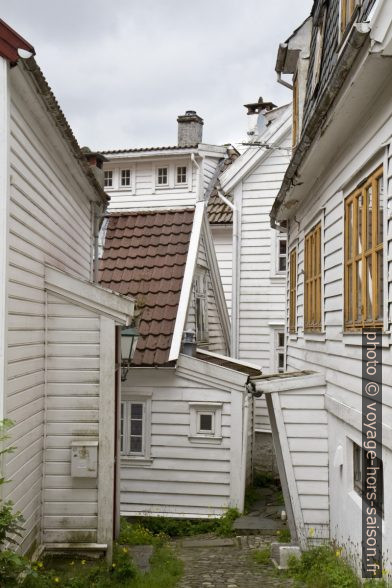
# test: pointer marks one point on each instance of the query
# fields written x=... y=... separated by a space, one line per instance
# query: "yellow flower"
x=83 y=562
x=125 y=550
x=113 y=565
x=40 y=564
x=338 y=552
x=71 y=563
x=311 y=532
x=385 y=572
x=56 y=579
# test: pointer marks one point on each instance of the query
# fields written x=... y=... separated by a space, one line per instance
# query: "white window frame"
x=143 y=457
x=280 y=237
x=276 y=328
x=108 y=171
x=201 y=294
x=196 y=409
x=176 y=182
x=157 y=184
x=126 y=186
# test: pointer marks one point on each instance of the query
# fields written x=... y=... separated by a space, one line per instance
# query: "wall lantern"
x=129 y=338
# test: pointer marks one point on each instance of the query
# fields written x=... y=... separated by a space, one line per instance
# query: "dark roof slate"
x=144 y=256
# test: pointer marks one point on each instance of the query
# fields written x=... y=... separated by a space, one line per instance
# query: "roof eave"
x=355 y=41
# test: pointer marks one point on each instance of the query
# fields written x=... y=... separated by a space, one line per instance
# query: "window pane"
x=136 y=427
x=280 y=339
x=380 y=289
x=162 y=175
x=282 y=246
x=359 y=290
x=282 y=264
x=369 y=220
x=122 y=426
x=281 y=361
x=206 y=422
x=359 y=218
x=380 y=190
x=369 y=288
x=136 y=411
x=349 y=293
x=350 y=231
x=181 y=175
x=136 y=444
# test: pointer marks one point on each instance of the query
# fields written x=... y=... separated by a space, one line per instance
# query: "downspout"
x=249 y=388
x=234 y=301
x=96 y=222
x=283 y=82
x=199 y=184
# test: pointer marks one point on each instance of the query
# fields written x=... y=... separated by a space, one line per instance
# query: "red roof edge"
x=10 y=42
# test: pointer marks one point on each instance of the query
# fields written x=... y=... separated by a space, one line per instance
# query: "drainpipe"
x=96 y=222
x=199 y=181
x=245 y=419
x=235 y=285
x=283 y=82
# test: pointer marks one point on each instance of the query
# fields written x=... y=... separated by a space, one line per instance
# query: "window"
x=162 y=176
x=293 y=292
x=205 y=422
x=281 y=254
x=279 y=350
x=312 y=320
x=181 y=175
x=135 y=428
x=347 y=9
x=374 y=468
x=201 y=307
x=108 y=178
x=318 y=53
x=295 y=111
x=125 y=177
x=363 y=257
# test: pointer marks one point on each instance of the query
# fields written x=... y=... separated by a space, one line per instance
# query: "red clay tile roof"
x=144 y=256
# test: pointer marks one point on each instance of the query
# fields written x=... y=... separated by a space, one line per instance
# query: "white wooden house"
x=187 y=408
x=258 y=254
x=57 y=328
x=338 y=181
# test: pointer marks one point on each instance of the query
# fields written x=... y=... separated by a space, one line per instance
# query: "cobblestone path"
x=226 y=563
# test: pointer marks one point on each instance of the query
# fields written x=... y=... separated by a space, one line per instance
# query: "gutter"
x=358 y=35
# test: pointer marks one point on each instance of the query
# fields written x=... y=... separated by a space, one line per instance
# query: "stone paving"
x=227 y=563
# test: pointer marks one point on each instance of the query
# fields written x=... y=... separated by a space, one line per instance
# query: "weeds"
x=262 y=556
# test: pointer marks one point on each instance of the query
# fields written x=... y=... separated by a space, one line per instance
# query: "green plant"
x=262 y=556
x=323 y=567
x=283 y=535
x=225 y=523
x=123 y=568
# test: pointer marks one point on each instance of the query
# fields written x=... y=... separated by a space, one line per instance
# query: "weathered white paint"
x=223 y=241
x=186 y=477
x=301 y=422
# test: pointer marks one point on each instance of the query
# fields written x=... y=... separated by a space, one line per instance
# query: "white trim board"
x=186 y=288
x=90 y=295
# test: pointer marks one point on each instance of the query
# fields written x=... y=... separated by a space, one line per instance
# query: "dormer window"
x=162 y=176
x=125 y=177
x=108 y=178
x=181 y=175
x=347 y=9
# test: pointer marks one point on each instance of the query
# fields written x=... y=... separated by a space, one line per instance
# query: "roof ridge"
x=149 y=211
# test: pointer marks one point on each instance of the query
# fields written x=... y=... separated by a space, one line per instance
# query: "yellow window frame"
x=293 y=292
x=312 y=314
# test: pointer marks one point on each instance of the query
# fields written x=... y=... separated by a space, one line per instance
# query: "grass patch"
x=324 y=567
x=262 y=556
x=170 y=527
x=166 y=568
x=283 y=536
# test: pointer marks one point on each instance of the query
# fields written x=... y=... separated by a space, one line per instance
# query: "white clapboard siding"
x=185 y=477
x=216 y=341
x=261 y=289
x=223 y=241
x=70 y=416
x=49 y=222
x=303 y=436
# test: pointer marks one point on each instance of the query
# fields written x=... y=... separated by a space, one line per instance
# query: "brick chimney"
x=190 y=129
x=95 y=161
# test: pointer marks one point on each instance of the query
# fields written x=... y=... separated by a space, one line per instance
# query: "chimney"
x=190 y=129
x=256 y=120
x=95 y=161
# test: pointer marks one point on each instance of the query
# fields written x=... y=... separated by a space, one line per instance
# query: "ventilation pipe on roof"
x=189 y=343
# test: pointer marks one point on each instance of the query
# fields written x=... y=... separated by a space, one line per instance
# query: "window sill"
x=205 y=439
x=168 y=187
x=130 y=461
x=314 y=336
x=280 y=277
x=125 y=189
x=293 y=336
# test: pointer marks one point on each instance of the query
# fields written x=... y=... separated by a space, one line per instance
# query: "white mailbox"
x=84 y=459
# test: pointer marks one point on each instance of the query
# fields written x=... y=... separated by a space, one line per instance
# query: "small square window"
x=206 y=423
x=282 y=254
x=125 y=177
x=181 y=175
x=162 y=176
x=108 y=178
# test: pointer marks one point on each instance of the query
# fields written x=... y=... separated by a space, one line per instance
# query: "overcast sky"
x=123 y=70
